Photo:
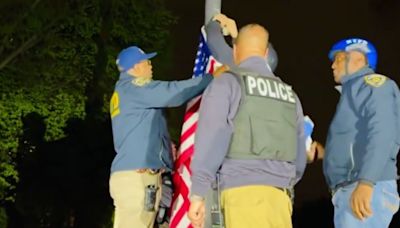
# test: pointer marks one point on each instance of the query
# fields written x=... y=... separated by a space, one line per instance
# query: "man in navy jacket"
x=141 y=137
x=363 y=139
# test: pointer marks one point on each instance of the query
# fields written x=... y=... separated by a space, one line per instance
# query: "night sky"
x=302 y=33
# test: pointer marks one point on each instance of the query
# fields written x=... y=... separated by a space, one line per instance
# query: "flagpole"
x=212 y=8
x=181 y=176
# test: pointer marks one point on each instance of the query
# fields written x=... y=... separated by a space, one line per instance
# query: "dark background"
x=302 y=33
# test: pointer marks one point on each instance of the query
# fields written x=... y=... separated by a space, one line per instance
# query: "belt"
x=150 y=171
x=285 y=190
x=340 y=185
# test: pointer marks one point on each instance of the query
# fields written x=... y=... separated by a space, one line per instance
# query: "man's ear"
x=234 y=51
x=366 y=60
x=359 y=58
x=135 y=70
x=266 y=52
x=137 y=67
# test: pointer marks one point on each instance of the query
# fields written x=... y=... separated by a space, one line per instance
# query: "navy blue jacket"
x=363 y=138
x=140 y=132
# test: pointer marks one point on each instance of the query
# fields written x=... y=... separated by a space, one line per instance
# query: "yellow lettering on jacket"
x=114 y=105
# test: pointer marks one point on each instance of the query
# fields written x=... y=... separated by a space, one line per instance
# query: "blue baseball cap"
x=130 y=56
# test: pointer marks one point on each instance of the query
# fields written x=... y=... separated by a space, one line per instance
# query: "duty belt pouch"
x=217 y=217
x=150 y=197
x=217 y=214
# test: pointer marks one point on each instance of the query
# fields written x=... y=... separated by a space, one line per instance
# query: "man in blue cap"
x=141 y=137
x=363 y=139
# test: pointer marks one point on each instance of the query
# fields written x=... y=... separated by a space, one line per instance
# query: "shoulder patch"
x=375 y=80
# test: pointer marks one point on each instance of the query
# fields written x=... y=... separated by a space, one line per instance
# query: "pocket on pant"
x=391 y=200
x=336 y=198
x=343 y=194
x=250 y=201
x=125 y=183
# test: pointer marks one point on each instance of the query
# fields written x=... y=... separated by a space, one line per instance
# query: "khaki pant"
x=127 y=188
x=256 y=206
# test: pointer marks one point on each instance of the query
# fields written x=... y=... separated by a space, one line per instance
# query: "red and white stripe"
x=182 y=174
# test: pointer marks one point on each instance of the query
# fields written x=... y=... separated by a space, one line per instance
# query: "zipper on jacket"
x=352 y=162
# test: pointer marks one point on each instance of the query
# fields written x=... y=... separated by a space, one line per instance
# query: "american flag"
x=204 y=63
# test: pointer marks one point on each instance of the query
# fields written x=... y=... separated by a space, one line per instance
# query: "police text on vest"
x=266 y=87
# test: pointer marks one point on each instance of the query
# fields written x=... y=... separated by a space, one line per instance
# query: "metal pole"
x=212 y=7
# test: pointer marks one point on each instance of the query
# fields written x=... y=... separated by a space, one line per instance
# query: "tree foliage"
x=57 y=59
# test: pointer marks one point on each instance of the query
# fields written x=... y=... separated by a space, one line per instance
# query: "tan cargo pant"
x=127 y=188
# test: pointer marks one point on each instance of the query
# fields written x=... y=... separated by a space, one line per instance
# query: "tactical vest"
x=265 y=124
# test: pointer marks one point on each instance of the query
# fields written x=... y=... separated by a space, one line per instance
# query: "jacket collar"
x=257 y=64
x=362 y=72
x=125 y=76
x=138 y=81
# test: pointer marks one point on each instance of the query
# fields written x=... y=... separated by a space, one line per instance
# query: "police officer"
x=223 y=53
x=140 y=134
x=253 y=135
x=216 y=29
x=363 y=139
